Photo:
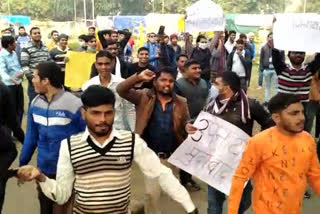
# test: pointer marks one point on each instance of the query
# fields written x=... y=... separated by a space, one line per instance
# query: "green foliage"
x=63 y=10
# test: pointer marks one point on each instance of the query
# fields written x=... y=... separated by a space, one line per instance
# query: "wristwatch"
x=194 y=211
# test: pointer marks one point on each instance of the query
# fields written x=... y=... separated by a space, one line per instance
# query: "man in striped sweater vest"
x=95 y=165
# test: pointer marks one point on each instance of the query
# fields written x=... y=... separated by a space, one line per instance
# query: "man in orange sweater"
x=279 y=161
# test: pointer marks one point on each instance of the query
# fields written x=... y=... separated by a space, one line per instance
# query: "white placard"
x=297 y=32
x=203 y=16
x=213 y=153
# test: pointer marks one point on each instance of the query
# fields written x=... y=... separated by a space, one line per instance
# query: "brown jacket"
x=145 y=99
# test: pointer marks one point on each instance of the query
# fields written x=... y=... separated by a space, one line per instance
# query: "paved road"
x=23 y=200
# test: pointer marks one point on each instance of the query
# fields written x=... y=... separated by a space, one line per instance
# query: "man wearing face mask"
x=233 y=106
x=92 y=44
x=200 y=53
x=83 y=41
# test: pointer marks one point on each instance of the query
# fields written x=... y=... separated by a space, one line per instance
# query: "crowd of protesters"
x=141 y=108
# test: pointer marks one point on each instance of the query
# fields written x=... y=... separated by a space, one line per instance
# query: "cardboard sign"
x=213 y=153
x=78 y=68
x=297 y=32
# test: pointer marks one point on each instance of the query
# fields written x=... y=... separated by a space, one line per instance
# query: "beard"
x=165 y=93
x=289 y=128
x=98 y=131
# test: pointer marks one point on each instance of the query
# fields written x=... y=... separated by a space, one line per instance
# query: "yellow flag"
x=78 y=68
x=141 y=35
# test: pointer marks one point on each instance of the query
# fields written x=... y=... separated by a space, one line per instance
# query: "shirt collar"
x=114 y=134
x=6 y=52
x=303 y=67
x=59 y=49
x=114 y=79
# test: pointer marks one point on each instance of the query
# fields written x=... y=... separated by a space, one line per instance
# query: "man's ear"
x=276 y=117
x=83 y=113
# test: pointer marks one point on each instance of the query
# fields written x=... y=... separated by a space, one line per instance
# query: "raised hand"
x=146 y=75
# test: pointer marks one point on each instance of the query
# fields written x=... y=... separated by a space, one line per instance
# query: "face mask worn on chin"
x=203 y=46
x=90 y=49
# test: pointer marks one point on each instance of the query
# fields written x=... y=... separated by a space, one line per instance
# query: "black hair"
x=114 y=32
x=52 y=32
x=83 y=37
x=21 y=27
x=111 y=42
x=232 y=31
x=181 y=55
x=51 y=71
x=302 y=52
x=231 y=79
x=166 y=70
x=242 y=35
x=91 y=28
x=281 y=101
x=269 y=34
x=191 y=62
x=6 y=41
x=240 y=42
x=143 y=49
x=97 y=95
x=104 y=54
x=90 y=37
x=63 y=36
x=34 y=28
x=200 y=37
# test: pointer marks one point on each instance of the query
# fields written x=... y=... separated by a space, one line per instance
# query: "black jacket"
x=246 y=62
x=8 y=121
x=232 y=114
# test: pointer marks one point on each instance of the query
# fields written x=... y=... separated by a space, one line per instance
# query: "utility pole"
x=85 y=12
x=75 y=9
x=305 y=6
x=162 y=6
x=93 y=17
x=9 y=7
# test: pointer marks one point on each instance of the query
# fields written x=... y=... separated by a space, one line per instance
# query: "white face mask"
x=91 y=49
x=203 y=46
x=82 y=43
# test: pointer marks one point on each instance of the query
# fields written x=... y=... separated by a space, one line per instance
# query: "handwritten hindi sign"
x=213 y=153
x=204 y=15
x=297 y=32
x=78 y=68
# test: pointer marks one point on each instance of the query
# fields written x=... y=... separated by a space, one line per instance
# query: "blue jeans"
x=216 y=199
x=271 y=80
x=31 y=92
x=260 y=79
